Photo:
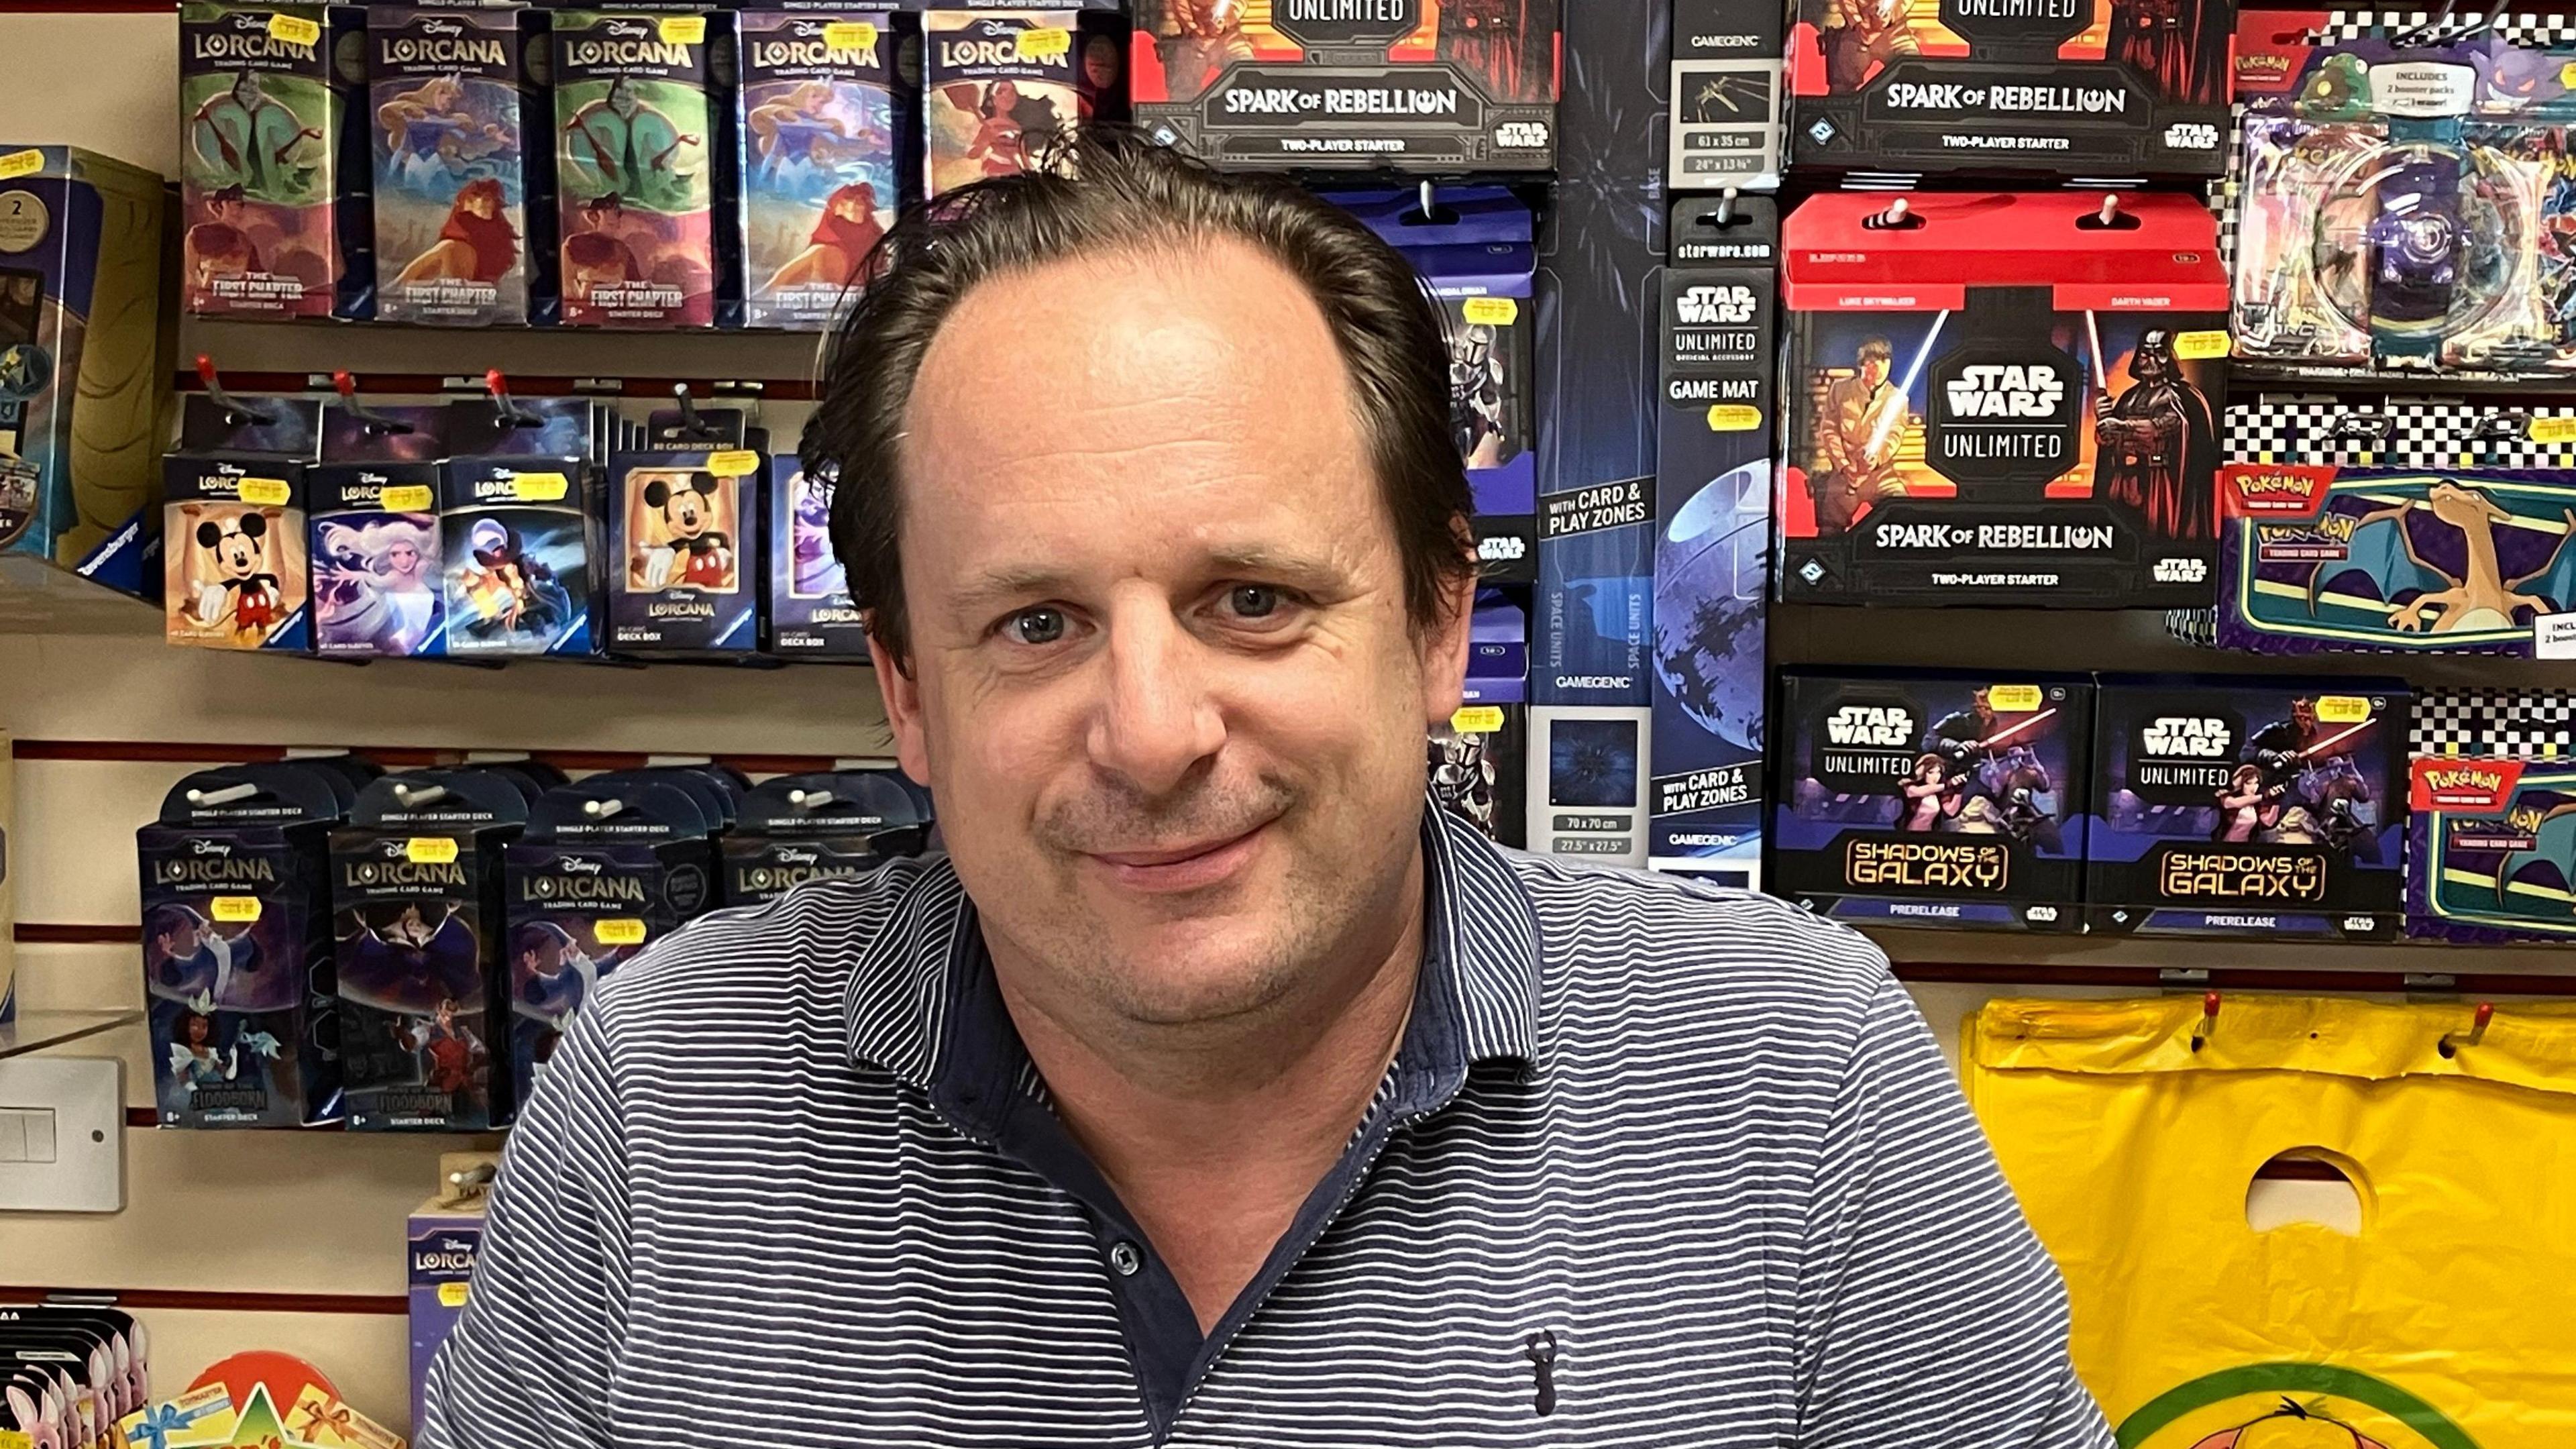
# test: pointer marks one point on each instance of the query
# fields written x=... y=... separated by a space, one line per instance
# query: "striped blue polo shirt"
x=1654 y=1165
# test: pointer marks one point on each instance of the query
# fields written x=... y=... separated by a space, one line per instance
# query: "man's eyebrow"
x=1009 y=581
x=1272 y=563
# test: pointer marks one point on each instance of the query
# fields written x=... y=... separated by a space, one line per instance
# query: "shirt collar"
x=922 y=1006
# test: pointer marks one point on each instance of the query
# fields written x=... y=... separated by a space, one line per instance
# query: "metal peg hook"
x=602 y=809
x=2452 y=1042
x=512 y=415
x=1725 y=208
x=2110 y=213
x=809 y=799
x=414 y=797
x=690 y=422
x=346 y=384
x=2208 y=1021
x=224 y=796
x=1424 y=197
x=236 y=412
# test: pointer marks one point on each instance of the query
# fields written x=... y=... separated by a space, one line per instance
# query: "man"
x=1210 y=1091
x=2159 y=444
x=1856 y=438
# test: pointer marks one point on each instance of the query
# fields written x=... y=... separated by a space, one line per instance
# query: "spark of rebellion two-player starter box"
x=2001 y=399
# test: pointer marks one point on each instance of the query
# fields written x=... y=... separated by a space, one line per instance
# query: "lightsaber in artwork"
x=2101 y=370
x=1999 y=736
x=1905 y=384
x=2336 y=738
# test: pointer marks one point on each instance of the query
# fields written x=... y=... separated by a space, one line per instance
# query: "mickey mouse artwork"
x=240 y=581
x=682 y=524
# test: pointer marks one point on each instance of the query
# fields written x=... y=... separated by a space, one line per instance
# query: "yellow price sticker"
x=618 y=931
x=1477 y=719
x=684 y=30
x=2567 y=75
x=1734 y=418
x=234 y=908
x=735 y=464
x=2013 y=698
x=1490 y=311
x=2192 y=346
x=21 y=163
x=850 y=35
x=2553 y=430
x=2342 y=709
x=539 y=487
x=430 y=849
x=452 y=1295
x=270 y=492
x=294 y=30
x=408 y=498
x=1045 y=43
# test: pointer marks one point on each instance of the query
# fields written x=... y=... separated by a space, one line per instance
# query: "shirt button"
x=1124 y=1258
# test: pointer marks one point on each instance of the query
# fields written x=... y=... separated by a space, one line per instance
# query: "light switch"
x=62 y=1134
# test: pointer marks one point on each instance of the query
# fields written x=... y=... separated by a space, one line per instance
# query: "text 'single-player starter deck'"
x=1928 y=798
x=2001 y=401
x=2072 y=88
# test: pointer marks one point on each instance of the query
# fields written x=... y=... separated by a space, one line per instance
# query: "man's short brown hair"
x=1131 y=194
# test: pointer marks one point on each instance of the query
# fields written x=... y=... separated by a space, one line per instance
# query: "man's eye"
x=1254 y=601
x=1035 y=626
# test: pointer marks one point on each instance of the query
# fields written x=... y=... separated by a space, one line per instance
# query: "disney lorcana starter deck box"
x=237 y=966
x=373 y=501
x=2001 y=399
x=517 y=533
x=2492 y=850
x=2067 y=88
x=1464 y=85
x=457 y=240
x=641 y=127
x=233 y=523
x=607 y=866
x=416 y=892
x=2248 y=806
x=828 y=825
x=1000 y=88
x=1932 y=799
x=811 y=614
x=1712 y=538
x=2436 y=527
x=81 y=366
x=274 y=174
x=682 y=526
x=830 y=107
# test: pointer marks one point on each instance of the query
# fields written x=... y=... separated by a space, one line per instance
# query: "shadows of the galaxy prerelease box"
x=1464 y=85
x=2001 y=399
x=1930 y=798
x=2066 y=88
x=2248 y=806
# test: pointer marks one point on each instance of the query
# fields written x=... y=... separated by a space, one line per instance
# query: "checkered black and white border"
x=2428 y=433
x=2501 y=723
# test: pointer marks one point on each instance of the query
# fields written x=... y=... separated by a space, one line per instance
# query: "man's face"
x=1162 y=677
x=1873 y=370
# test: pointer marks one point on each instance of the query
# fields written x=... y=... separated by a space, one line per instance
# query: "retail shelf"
x=36 y=1031
x=37 y=597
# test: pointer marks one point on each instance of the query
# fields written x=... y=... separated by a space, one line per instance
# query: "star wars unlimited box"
x=2248 y=806
x=2071 y=88
x=1403 y=85
x=1932 y=798
x=2001 y=399
x=1712 y=538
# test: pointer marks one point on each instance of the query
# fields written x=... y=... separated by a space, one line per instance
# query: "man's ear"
x=902 y=695
x=1445 y=638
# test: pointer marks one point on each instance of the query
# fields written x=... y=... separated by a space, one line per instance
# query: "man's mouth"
x=1186 y=866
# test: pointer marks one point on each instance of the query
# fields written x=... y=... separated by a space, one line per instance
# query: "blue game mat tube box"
x=1712 y=538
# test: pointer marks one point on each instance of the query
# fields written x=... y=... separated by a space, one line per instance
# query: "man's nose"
x=1156 y=721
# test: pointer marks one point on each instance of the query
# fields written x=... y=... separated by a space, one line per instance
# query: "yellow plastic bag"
x=2448 y=1323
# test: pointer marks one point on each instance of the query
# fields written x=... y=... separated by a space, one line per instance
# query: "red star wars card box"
x=2074 y=88
x=1402 y=85
x=2001 y=399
